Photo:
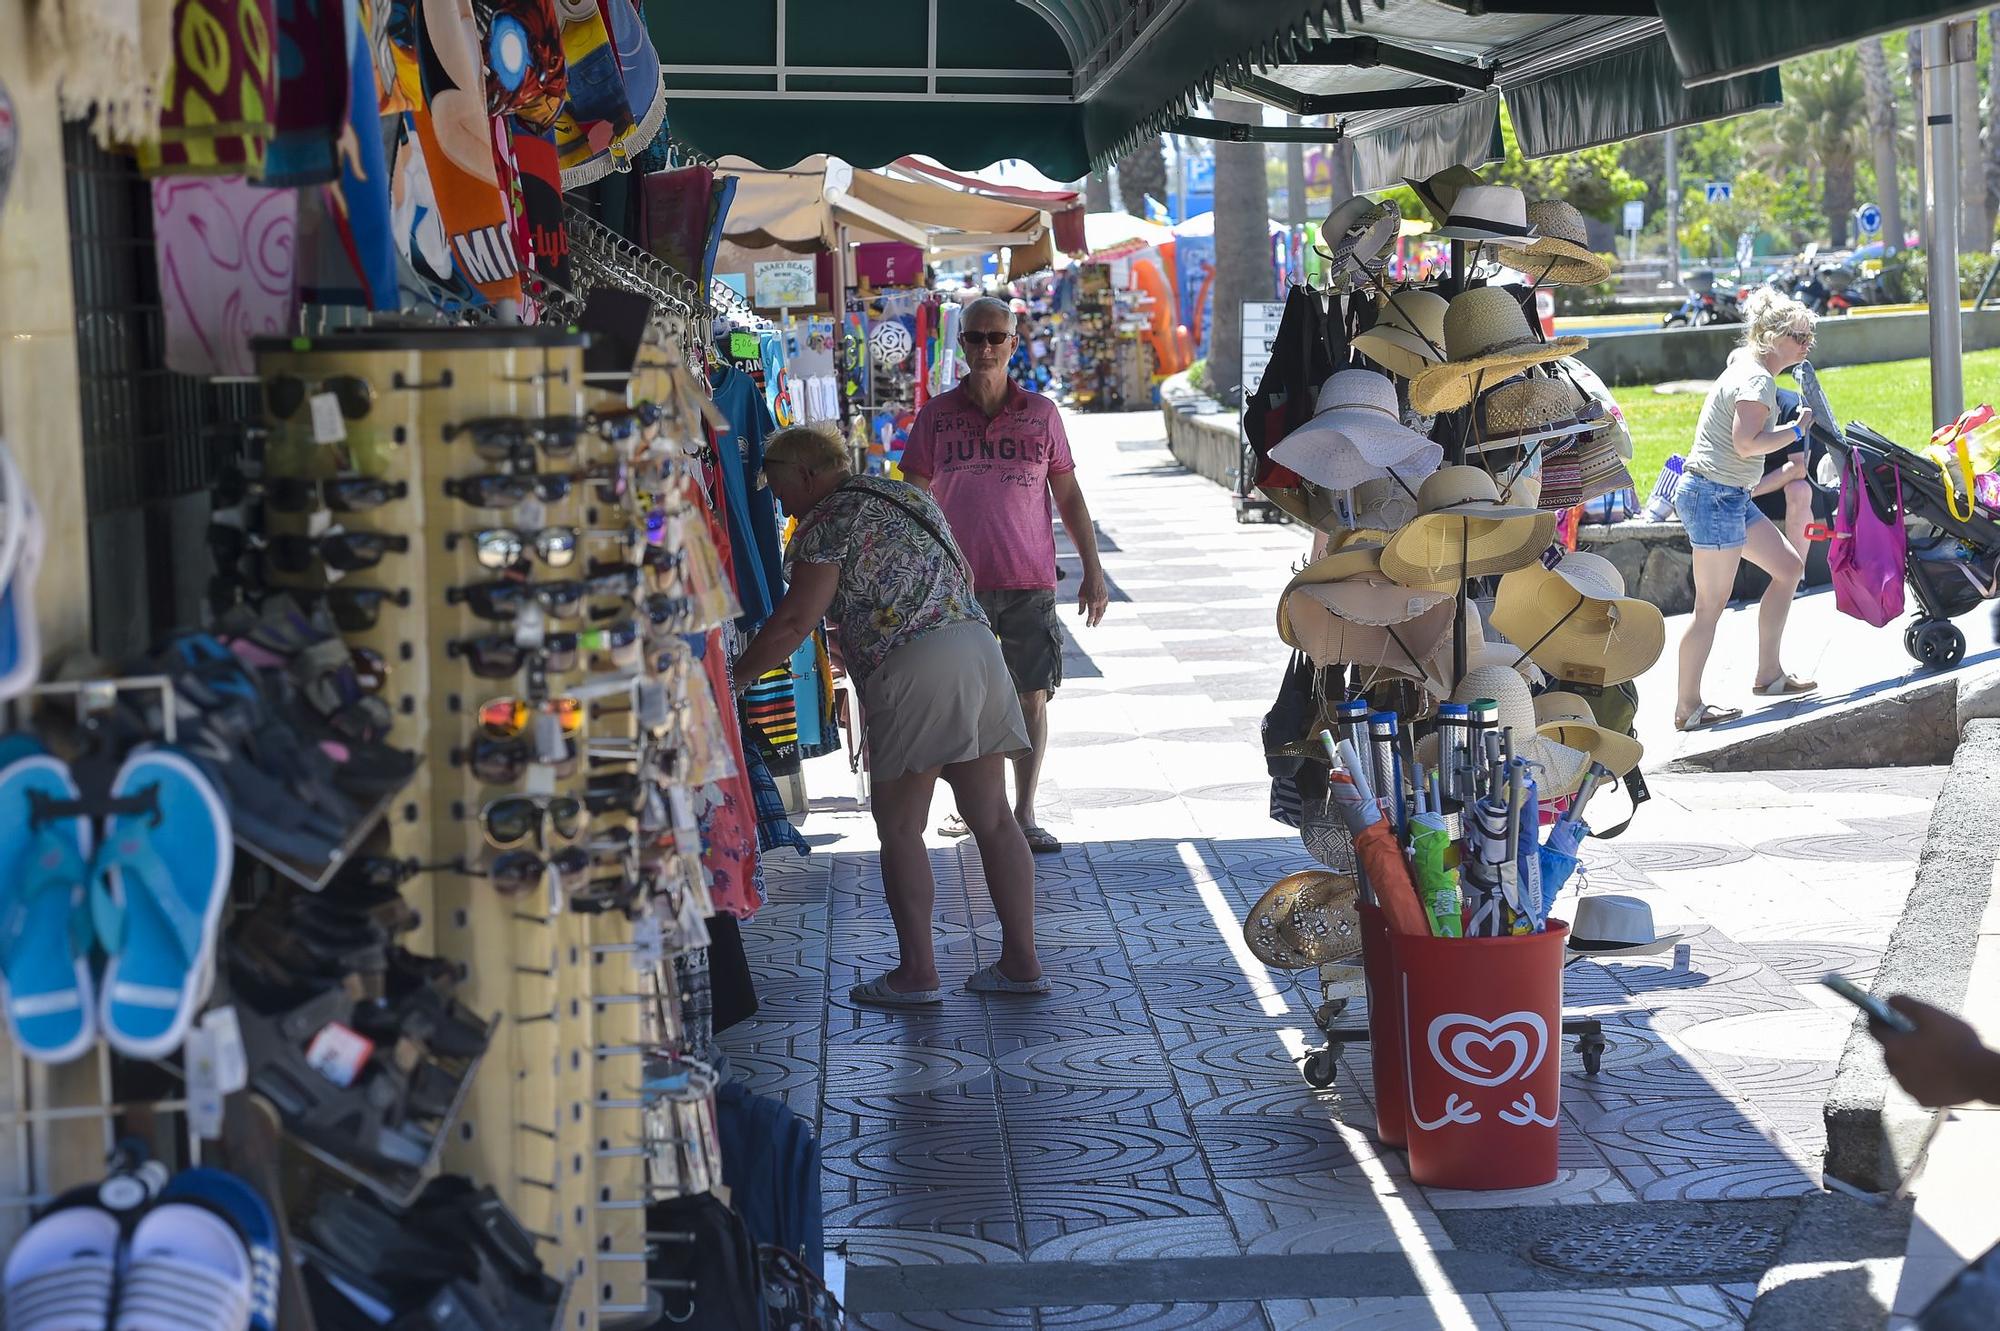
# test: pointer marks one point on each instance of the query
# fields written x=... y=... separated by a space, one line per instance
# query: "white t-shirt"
x=1714 y=455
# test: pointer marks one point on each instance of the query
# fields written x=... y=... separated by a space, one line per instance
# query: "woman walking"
x=1738 y=427
x=875 y=556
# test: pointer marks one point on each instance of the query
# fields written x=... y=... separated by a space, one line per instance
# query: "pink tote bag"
x=1867 y=556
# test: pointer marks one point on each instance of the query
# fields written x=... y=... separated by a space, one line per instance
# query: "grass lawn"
x=1893 y=398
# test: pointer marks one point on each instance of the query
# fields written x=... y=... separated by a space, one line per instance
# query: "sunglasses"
x=506 y=718
x=356 y=609
x=503 y=547
x=499 y=656
x=347 y=551
x=286 y=393
x=503 y=599
x=498 y=438
x=1803 y=339
x=520 y=871
x=371 y=669
x=378 y=873
x=503 y=762
x=366 y=720
x=342 y=494
x=991 y=339
x=495 y=490
x=514 y=819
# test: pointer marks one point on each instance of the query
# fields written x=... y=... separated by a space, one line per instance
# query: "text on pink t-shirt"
x=991 y=478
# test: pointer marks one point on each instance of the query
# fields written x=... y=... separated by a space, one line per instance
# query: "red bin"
x=1479 y=1022
x=1385 y=1032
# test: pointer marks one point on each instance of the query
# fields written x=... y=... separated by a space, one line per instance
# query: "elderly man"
x=993 y=455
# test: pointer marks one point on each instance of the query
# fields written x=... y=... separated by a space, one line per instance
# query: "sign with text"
x=1260 y=333
x=785 y=282
x=1635 y=214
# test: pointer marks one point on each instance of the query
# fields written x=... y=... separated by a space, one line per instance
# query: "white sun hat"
x=1356 y=435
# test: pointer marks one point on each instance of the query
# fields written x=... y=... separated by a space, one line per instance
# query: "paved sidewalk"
x=1139 y=1150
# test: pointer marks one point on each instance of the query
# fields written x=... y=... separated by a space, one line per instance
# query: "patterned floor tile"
x=957 y=1319
x=1701 y=1308
x=856 y=1069
x=1104 y=1061
x=1142 y=1240
x=1049 y=1209
x=1059 y=1150
x=1470 y=1312
x=1156 y=1317
x=910 y=1247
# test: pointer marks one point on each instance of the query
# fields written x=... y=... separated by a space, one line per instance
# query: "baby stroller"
x=1953 y=564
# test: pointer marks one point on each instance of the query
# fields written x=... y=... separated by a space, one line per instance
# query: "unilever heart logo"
x=1489 y=1053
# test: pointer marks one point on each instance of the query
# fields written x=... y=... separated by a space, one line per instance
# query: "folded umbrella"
x=1376 y=851
x=1485 y=867
x=1530 y=912
x=1559 y=858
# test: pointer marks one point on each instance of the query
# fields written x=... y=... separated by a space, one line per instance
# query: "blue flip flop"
x=245 y=1208
x=158 y=886
x=45 y=975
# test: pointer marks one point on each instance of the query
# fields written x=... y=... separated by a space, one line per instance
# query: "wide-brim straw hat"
x=1463 y=530
x=1357 y=435
x=1567 y=719
x=1559 y=768
x=1574 y=620
x=1340 y=610
x=1495 y=215
x=1360 y=232
x=1487 y=339
x=1407 y=337
x=1439 y=191
x=1440 y=673
x=1373 y=508
x=1561 y=254
x=1305 y=919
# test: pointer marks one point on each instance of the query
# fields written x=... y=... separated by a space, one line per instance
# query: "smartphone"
x=1867 y=1002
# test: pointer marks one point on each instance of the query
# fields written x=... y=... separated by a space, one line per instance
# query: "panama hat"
x=1489 y=215
x=1357 y=434
x=1616 y=924
x=1567 y=719
x=1572 y=617
x=1462 y=530
x=1486 y=337
x=1531 y=410
x=1305 y=919
x=1441 y=190
x=1559 y=768
x=1560 y=254
x=1408 y=335
x=1360 y=231
x=1340 y=610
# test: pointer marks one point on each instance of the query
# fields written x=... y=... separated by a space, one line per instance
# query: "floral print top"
x=896 y=582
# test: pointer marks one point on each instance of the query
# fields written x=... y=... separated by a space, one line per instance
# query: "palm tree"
x=1242 y=248
x=1141 y=172
x=1882 y=134
x=1821 y=127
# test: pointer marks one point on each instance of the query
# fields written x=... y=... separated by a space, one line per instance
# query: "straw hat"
x=1561 y=255
x=1600 y=471
x=1340 y=610
x=1489 y=215
x=1559 y=769
x=1567 y=719
x=1305 y=919
x=1373 y=508
x=1462 y=530
x=1614 y=416
x=1359 y=230
x=1575 y=621
x=1529 y=410
x=1440 y=669
x=1408 y=335
x=1486 y=338
x=1440 y=191
x=1357 y=434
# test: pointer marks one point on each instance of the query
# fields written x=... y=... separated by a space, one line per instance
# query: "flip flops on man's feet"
x=1040 y=840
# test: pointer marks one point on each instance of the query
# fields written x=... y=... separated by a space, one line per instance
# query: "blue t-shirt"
x=752 y=511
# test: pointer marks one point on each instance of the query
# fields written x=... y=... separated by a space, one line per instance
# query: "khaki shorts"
x=1030 y=636
x=941 y=699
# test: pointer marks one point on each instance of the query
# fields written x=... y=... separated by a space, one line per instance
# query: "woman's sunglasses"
x=520 y=871
x=503 y=547
x=356 y=609
x=514 y=819
x=342 y=494
x=503 y=762
x=498 y=656
x=506 y=718
x=347 y=551
x=503 y=599
x=286 y=393
x=495 y=490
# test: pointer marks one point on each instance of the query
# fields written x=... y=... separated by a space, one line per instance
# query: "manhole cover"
x=1661 y=1250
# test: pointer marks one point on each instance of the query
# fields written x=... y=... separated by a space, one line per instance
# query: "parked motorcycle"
x=1705 y=304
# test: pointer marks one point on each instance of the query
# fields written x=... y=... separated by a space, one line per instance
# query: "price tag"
x=648 y=942
x=338 y=1053
x=549 y=745
x=204 y=1085
x=531 y=513
x=743 y=346
x=318 y=523
x=232 y=1064
x=530 y=625
x=540 y=779
x=328 y=425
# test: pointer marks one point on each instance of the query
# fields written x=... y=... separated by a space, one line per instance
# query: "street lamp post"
x=1941 y=167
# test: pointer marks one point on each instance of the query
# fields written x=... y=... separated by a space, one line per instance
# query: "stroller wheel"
x=1320 y=1068
x=1939 y=644
x=1910 y=637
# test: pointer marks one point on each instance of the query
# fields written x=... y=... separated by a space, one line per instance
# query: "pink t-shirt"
x=991 y=478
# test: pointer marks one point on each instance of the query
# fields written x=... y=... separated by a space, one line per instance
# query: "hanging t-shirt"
x=753 y=513
x=991 y=477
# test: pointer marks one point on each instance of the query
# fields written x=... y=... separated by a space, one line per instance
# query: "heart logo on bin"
x=1489 y=1053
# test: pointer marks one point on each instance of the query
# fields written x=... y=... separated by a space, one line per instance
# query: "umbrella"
x=1486 y=867
x=1380 y=858
x=1437 y=885
x=1559 y=858
x=1530 y=911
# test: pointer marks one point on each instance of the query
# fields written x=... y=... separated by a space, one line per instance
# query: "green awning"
x=1714 y=39
x=1626 y=95
x=1061 y=83
x=1467 y=134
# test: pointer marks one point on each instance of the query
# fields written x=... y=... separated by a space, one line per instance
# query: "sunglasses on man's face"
x=972 y=338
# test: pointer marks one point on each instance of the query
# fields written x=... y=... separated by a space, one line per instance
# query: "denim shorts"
x=1717 y=516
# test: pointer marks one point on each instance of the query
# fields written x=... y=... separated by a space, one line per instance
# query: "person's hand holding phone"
x=1942 y=1061
x=1803 y=420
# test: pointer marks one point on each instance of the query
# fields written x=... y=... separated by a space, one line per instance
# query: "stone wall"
x=1699 y=353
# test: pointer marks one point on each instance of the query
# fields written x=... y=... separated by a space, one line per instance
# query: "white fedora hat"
x=1616 y=924
x=1357 y=434
x=1490 y=215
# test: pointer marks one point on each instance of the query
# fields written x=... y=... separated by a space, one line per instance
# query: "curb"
x=1872 y=1128
x=1913 y=726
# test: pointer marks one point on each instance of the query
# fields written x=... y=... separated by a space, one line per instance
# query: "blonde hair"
x=807 y=448
x=1768 y=315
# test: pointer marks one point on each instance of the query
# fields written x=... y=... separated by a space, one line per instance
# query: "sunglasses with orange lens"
x=505 y=718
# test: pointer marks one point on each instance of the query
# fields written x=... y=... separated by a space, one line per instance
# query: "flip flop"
x=877 y=993
x=245 y=1208
x=188 y=1270
x=46 y=985
x=1709 y=715
x=59 y=1276
x=954 y=826
x=1784 y=686
x=1041 y=841
x=158 y=887
x=989 y=980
